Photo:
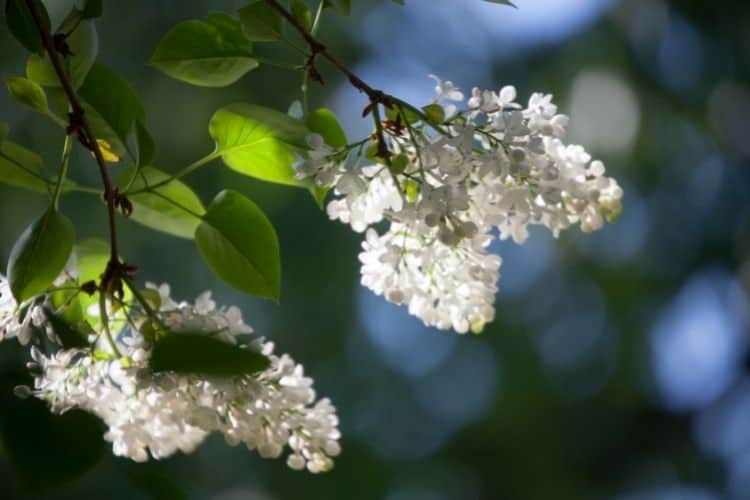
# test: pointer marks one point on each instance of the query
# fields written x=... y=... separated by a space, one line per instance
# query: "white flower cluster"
x=157 y=414
x=453 y=185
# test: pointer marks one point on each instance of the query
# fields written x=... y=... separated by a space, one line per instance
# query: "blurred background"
x=618 y=365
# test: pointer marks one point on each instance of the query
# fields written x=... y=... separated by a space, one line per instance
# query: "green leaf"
x=503 y=2
x=172 y=208
x=210 y=53
x=203 y=355
x=28 y=93
x=112 y=107
x=322 y=121
x=63 y=446
x=397 y=113
x=65 y=302
x=91 y=259
x=398 y=163
x=22 y=25
x=145 y=146
x=21 y=167
x=60 y=12
x=342 y=6
x=301 y=13
x=70 y=336
x=240 y=245
x=259 y=142
x=4 y=129
x=435 y=113
x=83 y=43
x=152 y=297
x=92 y=9
x=319 y=195
x=40 y=254
x=261 y=23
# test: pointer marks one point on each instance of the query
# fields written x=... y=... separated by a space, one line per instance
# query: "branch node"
x=60 y=43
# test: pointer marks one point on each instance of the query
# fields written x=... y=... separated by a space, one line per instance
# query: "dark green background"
x=561 y=397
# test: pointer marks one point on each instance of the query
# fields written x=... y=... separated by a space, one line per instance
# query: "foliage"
x=424 y=163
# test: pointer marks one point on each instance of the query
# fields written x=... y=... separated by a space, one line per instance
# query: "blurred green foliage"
x=599 y=426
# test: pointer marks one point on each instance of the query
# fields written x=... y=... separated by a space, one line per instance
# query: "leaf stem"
x=182 y=173
x=318 y=16
x=105 y=323
x=277 y=64
x=144 y=303
x=375 y=96
x=67 y=148
x=306 y=74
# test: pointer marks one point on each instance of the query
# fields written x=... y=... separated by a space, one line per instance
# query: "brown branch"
x=375 y=96
x=79 y=125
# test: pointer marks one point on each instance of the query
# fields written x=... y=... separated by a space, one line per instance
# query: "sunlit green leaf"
x=400 y=114
x=23 y=26
x=398 y=163
x=21 y=167
x=260 y=22
x=65 y=302
x=435 y=113
x=259 y=142
x=172 y=208
x=203 y=355
x=210 y=53
x=40 y=254
x=322 y=121
x=28 y=93
x=84 y=46
x=239 y=243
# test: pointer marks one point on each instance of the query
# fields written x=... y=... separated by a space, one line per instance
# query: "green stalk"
x=144 y=303
x=105 y=323
x=185 y=171
x=67 y=148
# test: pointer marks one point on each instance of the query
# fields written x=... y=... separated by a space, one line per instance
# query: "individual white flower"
x=16 y=322
x=446 y=90
x=363 y=209
x=321 y=163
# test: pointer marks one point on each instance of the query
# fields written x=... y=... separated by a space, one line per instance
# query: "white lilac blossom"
x=489 y=170
x=154 y=415
x=17 y=321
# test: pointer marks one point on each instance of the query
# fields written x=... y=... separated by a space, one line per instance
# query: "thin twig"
x=376 y=96
x=78 y=115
